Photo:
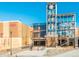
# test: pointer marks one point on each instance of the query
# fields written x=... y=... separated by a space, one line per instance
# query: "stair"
x=58 y=50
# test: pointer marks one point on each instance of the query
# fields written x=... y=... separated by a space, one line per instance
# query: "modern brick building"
x=60 y=28
x=77 y=37
x=14 y=34
x=27 y=33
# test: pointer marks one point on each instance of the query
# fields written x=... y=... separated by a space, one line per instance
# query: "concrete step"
x=55 y=51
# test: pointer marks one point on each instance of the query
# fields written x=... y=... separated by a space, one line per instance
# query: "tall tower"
x=51 y=23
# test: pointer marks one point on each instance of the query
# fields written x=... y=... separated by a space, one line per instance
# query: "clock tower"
x=51 y=23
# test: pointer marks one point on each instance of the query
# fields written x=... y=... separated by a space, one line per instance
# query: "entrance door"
x=39 y=43
x=63 y=42
x=42 y=43
x=36 y=43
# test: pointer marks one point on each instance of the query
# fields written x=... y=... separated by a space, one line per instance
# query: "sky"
x=34 y=12
x=27 y=13
x=69 y=7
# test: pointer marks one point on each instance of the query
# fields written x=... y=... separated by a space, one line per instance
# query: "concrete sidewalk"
x=39 y=53
x=73 y=53
x=6 y=53
x=25 y=53
x=51 y=52
x=35 y=52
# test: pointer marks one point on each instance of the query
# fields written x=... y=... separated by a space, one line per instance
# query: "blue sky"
x=33 y=12
x=27 y=13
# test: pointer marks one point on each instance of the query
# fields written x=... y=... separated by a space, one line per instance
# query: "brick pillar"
x=56 y=40
x=50 y=42
x=6 y=35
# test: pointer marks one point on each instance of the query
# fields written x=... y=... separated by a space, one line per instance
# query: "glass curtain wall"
x=66 y=26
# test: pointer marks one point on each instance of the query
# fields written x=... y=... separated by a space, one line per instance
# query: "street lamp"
x=10 y=43
x=39 y=37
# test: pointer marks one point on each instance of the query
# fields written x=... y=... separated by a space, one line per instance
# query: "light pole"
x=39 y=37
x=10 y=43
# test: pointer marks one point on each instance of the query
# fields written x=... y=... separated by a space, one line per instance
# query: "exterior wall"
x=6 y=39
x=24 y=34
x=1 y=36
x=77 y=37
x=12 y=34
x=1 y=29
x=50 y=42
x=27 y=35
x=65 y=28
x=77 y=32
x=15 y=31
x=59 y=25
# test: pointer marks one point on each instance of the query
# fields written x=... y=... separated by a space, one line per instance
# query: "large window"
x=66 y=26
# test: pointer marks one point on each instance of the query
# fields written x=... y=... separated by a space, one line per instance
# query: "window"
x=49 y=12
x=70 y=19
